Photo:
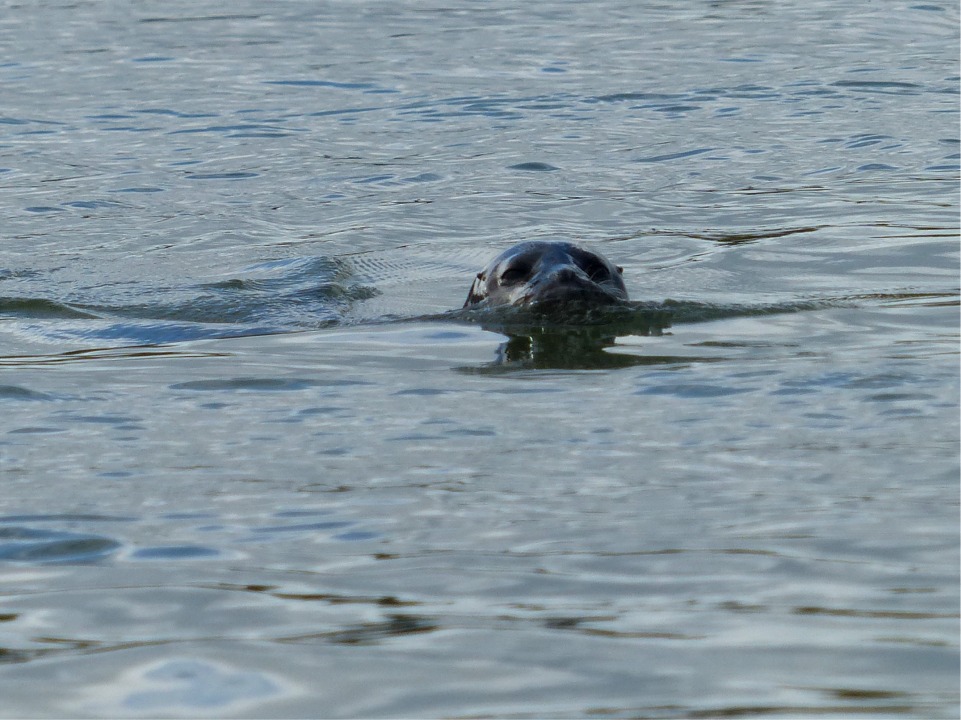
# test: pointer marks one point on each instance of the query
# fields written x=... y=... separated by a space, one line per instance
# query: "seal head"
x=545 y=275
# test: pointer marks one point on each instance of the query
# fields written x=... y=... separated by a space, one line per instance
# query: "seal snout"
x=558 y=282
x=568 y=293
x=563 y=275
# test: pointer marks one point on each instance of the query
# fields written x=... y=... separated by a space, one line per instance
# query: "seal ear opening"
x=620 y=270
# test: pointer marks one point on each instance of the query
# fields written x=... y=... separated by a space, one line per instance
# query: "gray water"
x=250 y=469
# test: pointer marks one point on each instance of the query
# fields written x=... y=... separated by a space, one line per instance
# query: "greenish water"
x=252 y=466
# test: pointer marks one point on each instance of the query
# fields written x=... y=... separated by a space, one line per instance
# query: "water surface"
x=251 y=469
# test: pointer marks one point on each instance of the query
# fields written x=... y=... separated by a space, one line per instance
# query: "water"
x=251 y=469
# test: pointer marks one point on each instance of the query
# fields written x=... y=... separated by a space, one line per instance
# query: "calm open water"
x=246 y=471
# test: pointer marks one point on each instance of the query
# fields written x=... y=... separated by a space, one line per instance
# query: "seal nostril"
x=565 y=275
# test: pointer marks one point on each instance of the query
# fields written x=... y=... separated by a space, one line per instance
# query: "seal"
x=546 y=275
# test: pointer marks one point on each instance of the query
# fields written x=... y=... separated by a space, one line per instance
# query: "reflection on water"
x=575 y=349
x=373 y=632
x=186 y=686
x=579 y=338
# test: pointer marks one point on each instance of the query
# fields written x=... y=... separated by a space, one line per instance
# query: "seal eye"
x=515 y=274
x=596 y=272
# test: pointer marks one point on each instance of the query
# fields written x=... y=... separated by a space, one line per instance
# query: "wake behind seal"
x=547 y=275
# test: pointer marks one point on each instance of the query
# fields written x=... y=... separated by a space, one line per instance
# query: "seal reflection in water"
x=547 y=274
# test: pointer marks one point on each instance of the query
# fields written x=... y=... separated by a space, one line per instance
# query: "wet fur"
x=538 y=273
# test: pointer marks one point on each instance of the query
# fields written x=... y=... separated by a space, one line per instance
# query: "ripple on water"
x=188 y=686
x=64 y=539
x=15 y=392
x=333 y=528
x=24 y=544
x=174 y=552
x=255 y=384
